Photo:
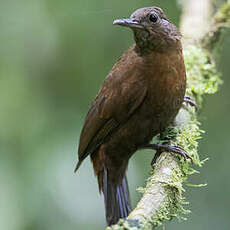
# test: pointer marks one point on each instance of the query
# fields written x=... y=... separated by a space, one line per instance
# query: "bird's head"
x=152 y=30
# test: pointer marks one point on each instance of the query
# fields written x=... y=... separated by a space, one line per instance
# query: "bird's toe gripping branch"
x=168 y=148
x=191 y=102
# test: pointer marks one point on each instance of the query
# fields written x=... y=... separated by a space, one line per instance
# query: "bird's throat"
x=147 y=42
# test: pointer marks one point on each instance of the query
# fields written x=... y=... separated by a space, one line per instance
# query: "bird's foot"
x=189 y=101
x=169 y=148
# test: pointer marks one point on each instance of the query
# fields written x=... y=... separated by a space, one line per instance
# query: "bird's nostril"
x=135 y=20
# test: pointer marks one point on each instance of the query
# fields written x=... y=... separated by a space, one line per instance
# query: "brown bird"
x=139 y=98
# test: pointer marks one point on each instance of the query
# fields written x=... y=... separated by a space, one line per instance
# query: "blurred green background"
x=54 y=56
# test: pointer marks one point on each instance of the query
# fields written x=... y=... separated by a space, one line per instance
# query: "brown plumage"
x=139 y=98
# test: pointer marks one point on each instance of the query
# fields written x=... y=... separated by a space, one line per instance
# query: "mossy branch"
x=163 y=195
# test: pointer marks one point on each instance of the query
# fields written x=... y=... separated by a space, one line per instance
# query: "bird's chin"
x=141 y=34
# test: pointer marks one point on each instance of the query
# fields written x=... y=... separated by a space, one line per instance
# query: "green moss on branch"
x=202 y=75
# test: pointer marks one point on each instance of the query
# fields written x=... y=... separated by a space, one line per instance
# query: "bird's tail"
x=116 y=198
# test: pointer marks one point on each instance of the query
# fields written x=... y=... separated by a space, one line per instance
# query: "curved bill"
x=128 y=22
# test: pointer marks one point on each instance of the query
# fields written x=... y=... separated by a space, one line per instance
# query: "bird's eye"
x=153 y=17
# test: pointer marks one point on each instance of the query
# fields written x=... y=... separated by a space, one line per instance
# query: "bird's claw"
x=180 y=151
x=191 y=102
x=169 y=148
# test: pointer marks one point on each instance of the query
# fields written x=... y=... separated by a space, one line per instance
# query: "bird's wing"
x=115 y=103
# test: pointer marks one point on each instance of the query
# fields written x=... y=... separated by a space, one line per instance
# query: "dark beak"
x=128 y=22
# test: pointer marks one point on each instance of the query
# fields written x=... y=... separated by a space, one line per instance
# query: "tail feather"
x=117 y=201
x=77 y=166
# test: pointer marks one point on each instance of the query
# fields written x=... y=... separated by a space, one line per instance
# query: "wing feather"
x=105 y=115
x=121 y=94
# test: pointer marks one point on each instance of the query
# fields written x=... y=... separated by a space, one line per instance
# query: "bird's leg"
x=165 y=147
x=157 y=154
x=190 y=102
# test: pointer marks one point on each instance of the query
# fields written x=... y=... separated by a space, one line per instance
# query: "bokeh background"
x=54 y=56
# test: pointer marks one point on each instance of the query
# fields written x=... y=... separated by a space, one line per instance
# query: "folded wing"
x=115 y=103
